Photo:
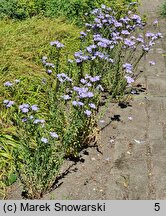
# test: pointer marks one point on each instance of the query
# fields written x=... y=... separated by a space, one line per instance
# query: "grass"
x=23 y=43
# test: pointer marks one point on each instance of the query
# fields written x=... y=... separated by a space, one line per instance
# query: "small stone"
x=112 y=140
x=128 y=152
x=93 y=159
x=138 y=141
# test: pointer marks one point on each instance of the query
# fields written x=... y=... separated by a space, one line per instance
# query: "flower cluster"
x=8 y=103
x=52 y=134
x=25 y=108
x=9 y=84
x=63 y=77
x=113 y=37
x=57 y=44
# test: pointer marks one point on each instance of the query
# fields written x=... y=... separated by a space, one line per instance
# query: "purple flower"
x=63 y=77
x=159 y=35
x=102 y=44
x=77 y=103
x=125 y=20
x=129 y=42
x=97 y=20
x=95 y=79
x=92 y=105
x=103 y=6
x=89 y=48
x=88 y=112
x=74 y=103
x=39 y=121
x=24 y=119
x=87 y=76
x=9 y=104
x=36 y=121
x=80 y=103
x=128 y=67
x=145 y=48
x=24 y=106
x=80 y=90
x=99 y=54
x=57 y=43
x=83 y=34
x=50 y=65
x=89 y=84
x=117 y=24
x=83 y=81
x=95 y=12
x=97 y=37
x=49 y=71
x=78 y=61
x=89 y=94
x=78 y=54
x=44 y=140
x=151 y=43
x=34 y=107
x=152 y=63
x=136 y=18
x=140 y=39
x=155 y=22
x=54 y=135
x=129 y=79
x=149 y=34
x=125 y=32
x=7 y=84
x=66 y=97
x=25 y=110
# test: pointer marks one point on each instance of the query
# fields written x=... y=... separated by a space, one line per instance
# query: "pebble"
x=112 y=140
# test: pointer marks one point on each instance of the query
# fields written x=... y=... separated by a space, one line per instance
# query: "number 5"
x=157 y=207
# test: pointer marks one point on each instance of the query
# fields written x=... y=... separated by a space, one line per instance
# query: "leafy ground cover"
x=51 y=93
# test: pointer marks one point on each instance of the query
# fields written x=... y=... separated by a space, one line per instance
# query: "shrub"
x=21 y=9
x=73 y=10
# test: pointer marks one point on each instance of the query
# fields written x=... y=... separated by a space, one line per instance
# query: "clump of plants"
x=111 y=47
x=72 y=10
